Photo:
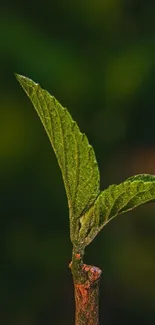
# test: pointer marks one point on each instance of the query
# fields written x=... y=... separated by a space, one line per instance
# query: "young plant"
x=90 y=209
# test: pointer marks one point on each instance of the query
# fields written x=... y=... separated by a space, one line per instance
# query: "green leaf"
x=89 y=209
x=75 y=156
x=117 y=199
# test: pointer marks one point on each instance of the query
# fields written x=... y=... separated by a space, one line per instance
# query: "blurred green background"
x=98 y=59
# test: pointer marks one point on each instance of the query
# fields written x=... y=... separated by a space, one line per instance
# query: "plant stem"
x=86 y=290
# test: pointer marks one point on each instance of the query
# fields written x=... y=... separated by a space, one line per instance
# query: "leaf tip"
x=19 y=77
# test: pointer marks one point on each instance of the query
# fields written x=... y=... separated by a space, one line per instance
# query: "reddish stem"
x=86 y=291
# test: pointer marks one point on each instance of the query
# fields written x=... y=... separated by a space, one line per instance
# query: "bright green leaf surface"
x=117 y=199
x=75 y=156
x=90 y=210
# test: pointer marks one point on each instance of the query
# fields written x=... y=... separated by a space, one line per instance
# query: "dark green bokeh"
x=97 y=58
